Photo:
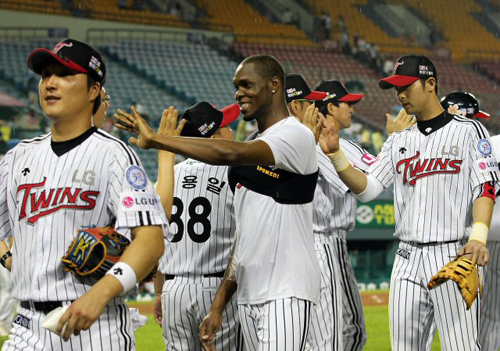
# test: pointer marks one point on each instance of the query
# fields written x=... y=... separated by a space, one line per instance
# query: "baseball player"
x=99 y=119
x=55 y=184
x=273 y=267
x=466 y=104
x=443 y=172
x=203 y=226
x=7 y=302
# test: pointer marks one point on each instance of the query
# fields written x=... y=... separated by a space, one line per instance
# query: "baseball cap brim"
x=230 y=114
x=352 y=98
x=482 y=114
x=397 y=81
x=316 y=95
x=41 y=58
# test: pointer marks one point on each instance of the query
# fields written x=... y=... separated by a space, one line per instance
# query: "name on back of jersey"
x=214 y=185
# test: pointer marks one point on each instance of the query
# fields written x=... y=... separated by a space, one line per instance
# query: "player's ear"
x=95 y=91
x=430 y=84
x=275 y=84
x=331 y=108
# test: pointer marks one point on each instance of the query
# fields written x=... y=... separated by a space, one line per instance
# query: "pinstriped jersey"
x=202 y=220
x=334 y=204
x=494 y=233
x=46 y=198
x=438 y=168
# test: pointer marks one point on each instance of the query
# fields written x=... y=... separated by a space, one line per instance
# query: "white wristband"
x=479 y=232
x=339 y=160
x=125 y=275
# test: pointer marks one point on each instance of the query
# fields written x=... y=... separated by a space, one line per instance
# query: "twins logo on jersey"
x=52 y=201
x=415 y=168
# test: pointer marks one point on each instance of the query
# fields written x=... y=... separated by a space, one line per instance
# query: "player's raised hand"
x=402 y=121
x=453 y=109
x=313 y=119
x=329 y=138
x=168 y=122
x=133 y=122
x=208 y=328
x=476 y=251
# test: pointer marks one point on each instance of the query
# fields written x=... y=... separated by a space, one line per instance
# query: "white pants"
x=489 y=335
x=111 y=332
x=325 y=333
x=413 y=308
x=277 y=325
x=186 y=300
x=353 y=326
x=7 y=302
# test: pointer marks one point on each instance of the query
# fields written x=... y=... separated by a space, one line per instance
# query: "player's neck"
x=67 y=130
x=272 y=116
x=432 y=110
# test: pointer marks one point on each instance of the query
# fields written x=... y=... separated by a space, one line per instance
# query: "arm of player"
x=141 y=255
x=4 y=248
x=211 y=151
x=159 y=280
x=476 y=246
x=212 y=322
x=353 y=178
x=166 y=160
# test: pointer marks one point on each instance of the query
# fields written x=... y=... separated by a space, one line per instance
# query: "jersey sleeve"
x=5 y=220
x=359 y=157
x=293 y=147
x=382 y=169
x=132 y=197
x=484 y=166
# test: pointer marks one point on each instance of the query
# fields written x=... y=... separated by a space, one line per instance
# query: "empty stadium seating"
x=52 y=7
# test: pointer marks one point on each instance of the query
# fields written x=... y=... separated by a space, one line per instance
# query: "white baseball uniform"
x=48 y=191
x=338 y=322
x=275 y=258
x=438 y=167
x=7 y=302
x=196 y=257
x=489 y=331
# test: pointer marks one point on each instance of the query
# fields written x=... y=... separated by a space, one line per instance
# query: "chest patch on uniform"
x=414 y=168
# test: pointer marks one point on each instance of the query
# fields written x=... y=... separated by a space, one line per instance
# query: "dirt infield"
x=375 y=299
x=380 y=298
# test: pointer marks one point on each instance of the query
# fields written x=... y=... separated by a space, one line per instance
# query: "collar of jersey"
x=61 y=147
x=432 y=125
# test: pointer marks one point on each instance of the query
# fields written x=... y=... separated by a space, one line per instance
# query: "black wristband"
x=5 y=257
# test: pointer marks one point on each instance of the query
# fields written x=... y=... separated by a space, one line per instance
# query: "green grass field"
x=377 y=318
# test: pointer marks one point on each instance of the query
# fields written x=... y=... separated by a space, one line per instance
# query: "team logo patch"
x=484 y=147
x=486 y=165
x=135 y=201
x=403 y=253
x=22 y=321
x=128 y=202
x=137 y=177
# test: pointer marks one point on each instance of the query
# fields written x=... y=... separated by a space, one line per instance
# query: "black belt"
x=431 y=243
x=44 y=307
x=211 y=275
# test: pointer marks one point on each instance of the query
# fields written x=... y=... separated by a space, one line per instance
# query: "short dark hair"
x=267 y=67
x=97 y=102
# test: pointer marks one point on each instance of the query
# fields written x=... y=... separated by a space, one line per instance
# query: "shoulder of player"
x=473 y=125
x=117 y=147
x=27 y=144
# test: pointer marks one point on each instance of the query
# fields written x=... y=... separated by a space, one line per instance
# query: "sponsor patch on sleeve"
x=484 y=147
x=136 y=177
x=131 y=201
x=486 y=165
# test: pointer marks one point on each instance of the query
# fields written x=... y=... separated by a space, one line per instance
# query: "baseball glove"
x=463 y=272
x=94 y=251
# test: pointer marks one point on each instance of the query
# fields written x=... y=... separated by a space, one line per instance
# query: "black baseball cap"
x=466 y=104
x=297 y=88
x=73 y=54
x=407 y=70
x=203 y=119
x=336 y=92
